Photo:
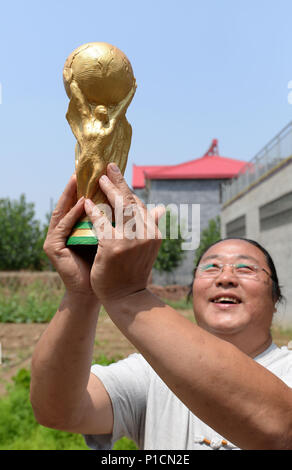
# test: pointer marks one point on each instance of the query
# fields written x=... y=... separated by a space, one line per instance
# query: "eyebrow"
x=238 y=257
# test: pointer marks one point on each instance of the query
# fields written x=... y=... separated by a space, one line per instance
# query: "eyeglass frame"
x=222 y=265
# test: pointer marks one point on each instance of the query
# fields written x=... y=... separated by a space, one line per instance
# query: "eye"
x=212 y=267
x=245 y=268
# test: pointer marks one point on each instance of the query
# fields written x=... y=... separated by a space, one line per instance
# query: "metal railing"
x=269 y=157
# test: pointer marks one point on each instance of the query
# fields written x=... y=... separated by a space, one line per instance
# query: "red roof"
x=209 y=166
x=138 y=177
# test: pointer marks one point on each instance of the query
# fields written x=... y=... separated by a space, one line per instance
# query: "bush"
x=21 y=237
x=35 y=303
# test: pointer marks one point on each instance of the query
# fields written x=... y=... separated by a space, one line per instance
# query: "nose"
x=226 y=278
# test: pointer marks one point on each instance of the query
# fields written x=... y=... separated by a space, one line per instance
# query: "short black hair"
x=276 y=288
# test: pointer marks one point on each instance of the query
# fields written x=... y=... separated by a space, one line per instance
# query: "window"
x=236 y=228
x=276 y=213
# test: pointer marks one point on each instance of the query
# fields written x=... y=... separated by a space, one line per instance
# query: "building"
x=194 y=182
x=258 y=205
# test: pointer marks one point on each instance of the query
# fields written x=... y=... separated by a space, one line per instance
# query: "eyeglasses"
x=241 y=270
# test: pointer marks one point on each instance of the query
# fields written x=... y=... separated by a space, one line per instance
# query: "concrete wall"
x=267 y=208
x=203 y=192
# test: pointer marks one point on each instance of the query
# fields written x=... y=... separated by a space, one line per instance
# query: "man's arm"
x=220 y=384
x=64 y=394
x=229 y=391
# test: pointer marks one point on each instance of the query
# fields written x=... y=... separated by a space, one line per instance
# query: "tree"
x=170 y=254
x=209 y=235
x=21 y=236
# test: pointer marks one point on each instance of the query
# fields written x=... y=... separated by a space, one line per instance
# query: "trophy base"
x=82 y=234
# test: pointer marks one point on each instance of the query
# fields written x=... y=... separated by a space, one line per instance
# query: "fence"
x=268 y=158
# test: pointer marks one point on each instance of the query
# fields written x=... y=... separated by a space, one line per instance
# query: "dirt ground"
x=18 y=340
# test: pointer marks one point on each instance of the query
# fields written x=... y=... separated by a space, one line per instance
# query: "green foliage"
x=18 y=428
x=36 y=303
x=105 y=361
x=125 y=444
x=209 y=235
x=21 y=236
x=182 y=304
x=170 y=254
x=20 y=431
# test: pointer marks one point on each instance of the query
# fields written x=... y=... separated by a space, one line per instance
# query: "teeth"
x=226 y=299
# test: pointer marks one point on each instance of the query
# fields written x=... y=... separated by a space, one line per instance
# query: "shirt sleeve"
x=286 y=368
x=127 y=383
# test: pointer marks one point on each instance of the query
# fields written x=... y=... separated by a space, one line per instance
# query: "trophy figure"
x=99 y=81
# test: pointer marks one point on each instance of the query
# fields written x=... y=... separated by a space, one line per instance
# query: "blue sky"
x=205 y=69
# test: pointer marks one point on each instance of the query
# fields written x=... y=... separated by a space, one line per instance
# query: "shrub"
x=21 y=236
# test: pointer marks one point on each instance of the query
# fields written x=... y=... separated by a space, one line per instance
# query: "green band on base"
x=82 y=241
x=83 y=225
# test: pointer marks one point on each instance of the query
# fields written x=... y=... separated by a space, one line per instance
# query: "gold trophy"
x=99 y=81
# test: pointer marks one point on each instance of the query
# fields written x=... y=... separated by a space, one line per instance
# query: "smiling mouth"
x=226 y=300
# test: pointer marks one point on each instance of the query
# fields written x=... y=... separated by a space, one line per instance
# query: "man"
x=210 y=385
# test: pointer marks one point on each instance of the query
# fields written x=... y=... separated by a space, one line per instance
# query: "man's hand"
x=124 y=258
x=74 y=271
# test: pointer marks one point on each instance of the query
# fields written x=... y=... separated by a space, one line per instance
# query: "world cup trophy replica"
x=100 y=84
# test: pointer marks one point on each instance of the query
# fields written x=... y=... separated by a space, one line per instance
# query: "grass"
x=182 y=304
x=38 y=302
x=20 y=431
x=35 y=303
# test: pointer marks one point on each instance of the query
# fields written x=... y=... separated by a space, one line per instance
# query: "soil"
x=173 y=292
x=19 y=340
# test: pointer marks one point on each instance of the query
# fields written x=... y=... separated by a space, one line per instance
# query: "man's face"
x=252 y=312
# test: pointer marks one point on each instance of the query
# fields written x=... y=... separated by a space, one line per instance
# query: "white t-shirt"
x=147 y=411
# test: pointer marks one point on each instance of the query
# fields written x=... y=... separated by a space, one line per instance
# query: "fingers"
x=121 y=197
x=56 y=238
x=114 y=186
x=101 y=224
x=67 y=223
x=65 y=203
x=132 y=220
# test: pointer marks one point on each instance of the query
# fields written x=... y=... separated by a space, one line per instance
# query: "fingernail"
x=80 y=200
x=88 y=203
x=104 y=179
x=114 y=167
